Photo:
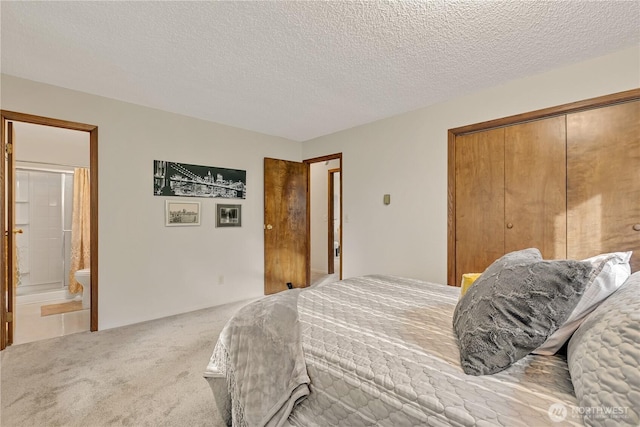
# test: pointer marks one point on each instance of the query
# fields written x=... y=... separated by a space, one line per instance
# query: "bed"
x=382 y=350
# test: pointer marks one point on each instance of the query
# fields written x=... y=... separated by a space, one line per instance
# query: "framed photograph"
x=228 y=215
x=185 y=180
x=181 y=213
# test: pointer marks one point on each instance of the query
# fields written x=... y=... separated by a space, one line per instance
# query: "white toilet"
x=84 y=278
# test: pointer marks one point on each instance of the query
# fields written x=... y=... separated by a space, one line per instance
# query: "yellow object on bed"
x=467 y=281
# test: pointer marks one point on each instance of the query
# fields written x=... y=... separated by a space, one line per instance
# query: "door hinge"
x=9 y=316
x=9 y=148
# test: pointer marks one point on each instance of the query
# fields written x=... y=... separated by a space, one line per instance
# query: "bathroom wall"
x=51 y=146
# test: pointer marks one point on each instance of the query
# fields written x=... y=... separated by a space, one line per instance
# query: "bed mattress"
x=381 y=350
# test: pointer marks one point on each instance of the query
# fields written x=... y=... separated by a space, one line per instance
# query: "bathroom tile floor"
x=31 y=326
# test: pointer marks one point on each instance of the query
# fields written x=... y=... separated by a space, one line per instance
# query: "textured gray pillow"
x=604 y=359
x=513 y=307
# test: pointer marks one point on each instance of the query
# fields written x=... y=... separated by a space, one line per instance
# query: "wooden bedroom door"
x=604 y=181
x=3 y=260
x=7 y=217
x=286 y=225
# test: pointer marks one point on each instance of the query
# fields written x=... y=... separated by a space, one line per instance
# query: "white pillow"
x=609 y=273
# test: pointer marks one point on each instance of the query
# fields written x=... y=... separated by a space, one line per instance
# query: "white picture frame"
x=182 y=213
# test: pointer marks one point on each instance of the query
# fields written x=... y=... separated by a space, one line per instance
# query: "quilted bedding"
x=257 y=370
x=381 y=350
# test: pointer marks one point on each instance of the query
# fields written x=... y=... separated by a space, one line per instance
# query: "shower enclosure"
x=44 y=204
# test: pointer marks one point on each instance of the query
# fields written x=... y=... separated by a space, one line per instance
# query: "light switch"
x=386 y=199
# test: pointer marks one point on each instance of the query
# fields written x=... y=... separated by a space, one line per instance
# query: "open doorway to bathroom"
x=325 y=218
x=50 y=218
x=51 y=165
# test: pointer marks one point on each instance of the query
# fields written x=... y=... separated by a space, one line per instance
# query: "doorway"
x=334 y=203
x=324 y=218
x=32 y=176
x=325 y=214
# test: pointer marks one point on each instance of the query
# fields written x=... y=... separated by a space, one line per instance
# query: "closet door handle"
x=636 y=227
x=509 y=225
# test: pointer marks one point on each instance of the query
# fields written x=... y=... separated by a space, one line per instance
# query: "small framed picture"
x=182 y=213
x=228 y=215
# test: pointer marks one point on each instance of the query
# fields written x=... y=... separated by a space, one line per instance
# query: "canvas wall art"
x=185 y=180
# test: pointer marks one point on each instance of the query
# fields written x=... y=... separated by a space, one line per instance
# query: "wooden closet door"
x=603 y=162
x=479 y=212
x=535 y=187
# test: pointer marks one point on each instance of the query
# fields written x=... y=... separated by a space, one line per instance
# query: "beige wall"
x=148 y=270
x=406 y=156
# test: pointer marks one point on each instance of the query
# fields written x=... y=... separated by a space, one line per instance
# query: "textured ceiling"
x=302 y=69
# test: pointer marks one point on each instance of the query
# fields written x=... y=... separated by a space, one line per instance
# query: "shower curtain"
x=80 y=247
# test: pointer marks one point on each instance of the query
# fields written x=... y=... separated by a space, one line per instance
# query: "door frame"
x=6 y=116
x=328 y=157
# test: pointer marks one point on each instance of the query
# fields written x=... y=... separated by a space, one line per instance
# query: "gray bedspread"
x=380 y=351
x=257 y=370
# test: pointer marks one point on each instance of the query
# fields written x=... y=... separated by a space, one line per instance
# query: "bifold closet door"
x=510 y=193
x=603 y=162
x=479 y=213
x=535 y=187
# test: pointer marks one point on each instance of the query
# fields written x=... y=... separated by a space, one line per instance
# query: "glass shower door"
x=67 y=212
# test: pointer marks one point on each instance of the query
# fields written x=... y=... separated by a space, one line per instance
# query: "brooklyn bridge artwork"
x=181 y=179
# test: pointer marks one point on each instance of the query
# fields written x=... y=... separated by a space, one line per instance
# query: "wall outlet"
x=221 y=280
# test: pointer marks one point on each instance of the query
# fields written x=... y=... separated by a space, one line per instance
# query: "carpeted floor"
x=148 y=374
